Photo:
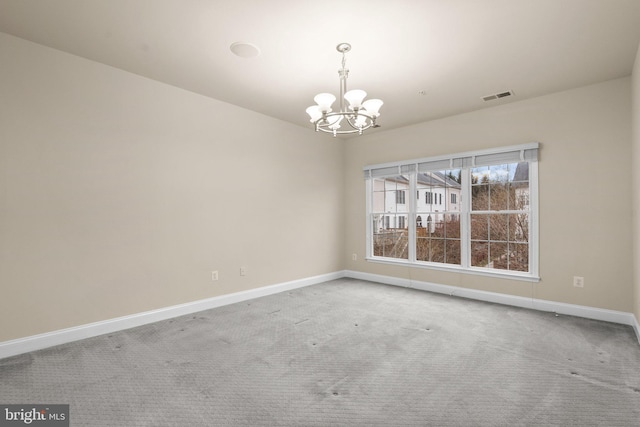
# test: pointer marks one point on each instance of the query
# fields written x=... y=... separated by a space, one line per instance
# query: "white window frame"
x=464 y=161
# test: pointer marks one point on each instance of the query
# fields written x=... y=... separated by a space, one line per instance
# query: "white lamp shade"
x=355 y=97
x=314 y=112
x=334 y=122
x=373 y=106
x=361 y=120
x=324 y=101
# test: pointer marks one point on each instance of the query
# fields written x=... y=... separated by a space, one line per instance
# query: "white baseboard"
x=50 y=339
x=636 y=326
x=532 y=303
x=63 y=336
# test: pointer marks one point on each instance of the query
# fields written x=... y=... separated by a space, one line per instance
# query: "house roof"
x=437 y=179
x=522 y=172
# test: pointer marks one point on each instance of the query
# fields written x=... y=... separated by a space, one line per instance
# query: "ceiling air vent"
x=497 y=96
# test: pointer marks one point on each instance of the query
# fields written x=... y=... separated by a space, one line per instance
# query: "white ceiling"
x=456 y=51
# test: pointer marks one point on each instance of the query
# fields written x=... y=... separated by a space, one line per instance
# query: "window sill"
x=476 y=271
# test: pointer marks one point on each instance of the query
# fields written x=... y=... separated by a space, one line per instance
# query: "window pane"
x=520 y=171
x=519 y=257
x=479 y=227
x=520 y=199
x=452 y=253
x=377 y=191
x=389 y=194
x=499 y=227
x=479 y=254
x=390 y=204
x=480 y=189
x=452 y=228
x=437 y=250
x=519 y=227
x=402 y=221
x=391 y=242
x=480 y=197
x=438 y=226
x=446 y=199
x=423 y=248
x=430 y=225
x=498 y=255
x=378 y=201
x=499 y=174
x=454 y=177
x=510 y=256
x=438 y=240
x=378 y=223
x=480 y=175
x=498 y=197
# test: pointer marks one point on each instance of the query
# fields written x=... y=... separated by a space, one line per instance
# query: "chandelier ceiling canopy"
x=357 y=117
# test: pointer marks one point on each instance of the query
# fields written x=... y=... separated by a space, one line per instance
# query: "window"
x=479 y=214
x=387 y=206
x=499 y=217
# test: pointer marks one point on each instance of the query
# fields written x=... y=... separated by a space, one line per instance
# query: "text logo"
x=34 y=415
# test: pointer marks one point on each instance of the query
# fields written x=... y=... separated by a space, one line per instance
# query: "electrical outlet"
x=354 y=257
x=243 y=271
x=578 y=281
x=214 y=275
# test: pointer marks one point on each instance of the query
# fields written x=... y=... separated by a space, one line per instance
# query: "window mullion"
x=412 y=216
x=369 y=217
x=533 y=220
x=465 y=218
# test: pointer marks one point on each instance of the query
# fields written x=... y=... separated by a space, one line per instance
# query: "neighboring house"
x=521 y=184
x=437 y=199
x=436 y=193
x=390 y=197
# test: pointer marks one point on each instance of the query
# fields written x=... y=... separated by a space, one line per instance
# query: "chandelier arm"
x=342 y=132
x=326 y=126
x=351 y=120
x=348 y=115
x=339 y=132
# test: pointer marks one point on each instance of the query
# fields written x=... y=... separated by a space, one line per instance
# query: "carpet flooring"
x=343 y=353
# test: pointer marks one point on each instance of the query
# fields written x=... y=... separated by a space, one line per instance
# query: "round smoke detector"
x=244 y=50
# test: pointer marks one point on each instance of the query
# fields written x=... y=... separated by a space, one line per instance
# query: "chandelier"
x=356 y=118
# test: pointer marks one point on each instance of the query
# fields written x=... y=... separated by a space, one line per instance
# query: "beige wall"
x=119 y=194
x=585 y=188
x=636 y=181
